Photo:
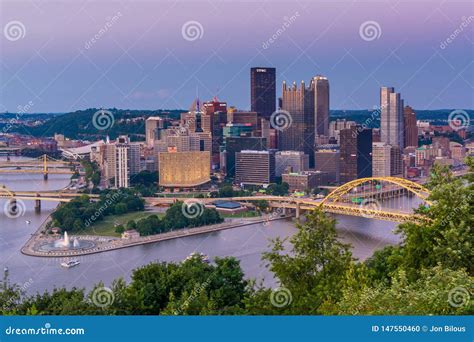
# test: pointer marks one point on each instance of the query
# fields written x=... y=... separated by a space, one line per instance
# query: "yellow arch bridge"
x=381 y=198
x=42 y=165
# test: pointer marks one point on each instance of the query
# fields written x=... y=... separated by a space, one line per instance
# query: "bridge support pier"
x=45 y=176
x=38 y=206
x=298 y=211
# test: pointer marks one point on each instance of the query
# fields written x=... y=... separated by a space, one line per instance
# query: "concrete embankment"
x=105 y=243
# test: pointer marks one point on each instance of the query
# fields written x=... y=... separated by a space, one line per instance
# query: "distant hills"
x=79 y=124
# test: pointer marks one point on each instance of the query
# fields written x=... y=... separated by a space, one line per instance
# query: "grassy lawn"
x=106 y=227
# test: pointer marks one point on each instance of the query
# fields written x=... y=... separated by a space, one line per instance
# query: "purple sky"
x=144 y=62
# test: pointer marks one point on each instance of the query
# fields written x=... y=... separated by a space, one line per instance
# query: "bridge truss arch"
x=419 y=190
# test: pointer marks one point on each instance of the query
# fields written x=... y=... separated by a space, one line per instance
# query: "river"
x=245 y=243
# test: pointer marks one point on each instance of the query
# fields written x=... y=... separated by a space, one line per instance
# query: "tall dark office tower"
x=299 y=134
x=411 y=130
x=263 y=91
x=320 y=85
x=355 y=153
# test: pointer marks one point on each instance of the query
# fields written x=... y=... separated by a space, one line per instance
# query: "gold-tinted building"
x=184 y=169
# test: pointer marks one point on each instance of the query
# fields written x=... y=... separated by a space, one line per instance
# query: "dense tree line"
x=317 y=273
x=92 y=172
x=178 y=216
x=145 y=182
x=83 y=211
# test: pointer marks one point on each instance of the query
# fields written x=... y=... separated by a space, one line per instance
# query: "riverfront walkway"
x=106 y=243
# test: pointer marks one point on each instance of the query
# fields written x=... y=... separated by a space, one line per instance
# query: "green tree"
x=448 y=237
x=315 y=269
x=119 y=229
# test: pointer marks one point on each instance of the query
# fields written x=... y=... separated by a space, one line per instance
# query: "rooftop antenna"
x=197 y=99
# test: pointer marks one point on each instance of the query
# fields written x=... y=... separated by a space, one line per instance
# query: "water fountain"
x=66 y=244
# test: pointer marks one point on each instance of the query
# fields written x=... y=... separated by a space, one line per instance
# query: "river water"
x=245 y=243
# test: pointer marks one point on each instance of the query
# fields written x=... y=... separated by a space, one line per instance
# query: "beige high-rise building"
x=122 y=161
x=336 y=126
x=381 y=153
x=391 y=117
x=152 y=125
x=297 y=160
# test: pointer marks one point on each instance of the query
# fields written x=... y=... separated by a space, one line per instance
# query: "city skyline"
x=72 y=63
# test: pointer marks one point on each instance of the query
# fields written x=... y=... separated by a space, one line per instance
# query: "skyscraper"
x=122 y=161
x=254 y=167
x=391 y=118
x=299 y=134
x=355 y=153
x=381 y=159
x=411 y=130
x=236 y=144
x=263 y=91
x=321 y=105
x=152 y=126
